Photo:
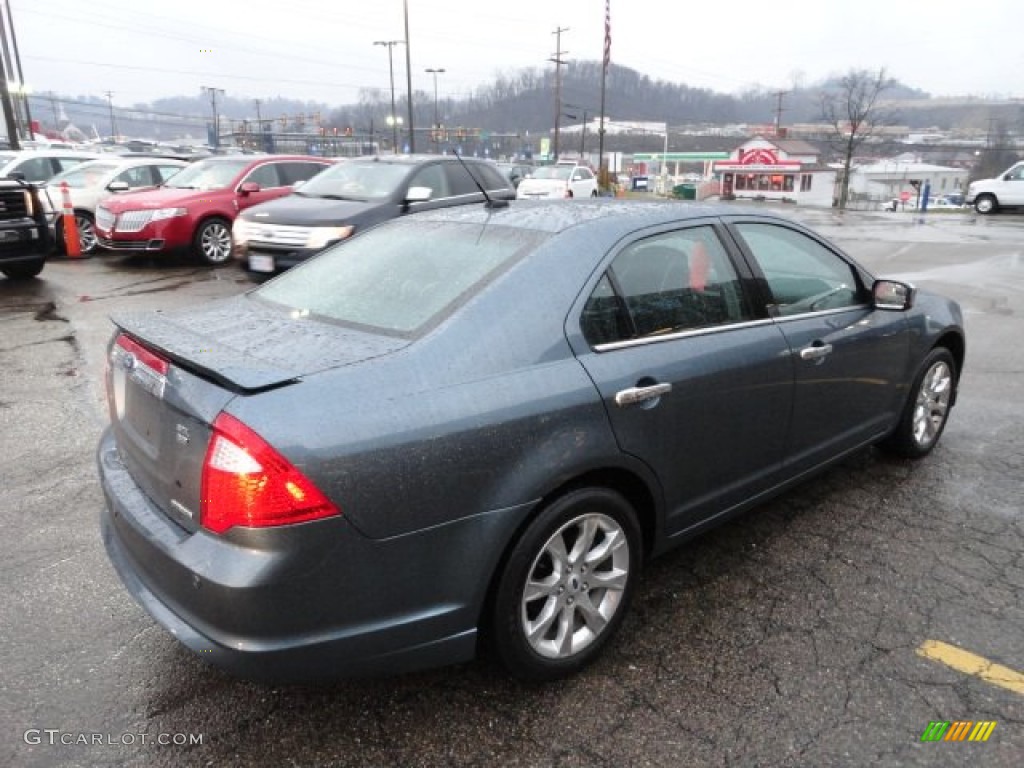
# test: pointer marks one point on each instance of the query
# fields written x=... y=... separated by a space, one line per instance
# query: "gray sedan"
x=468 y=429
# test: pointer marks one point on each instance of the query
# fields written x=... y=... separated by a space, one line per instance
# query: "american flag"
x=607 y=33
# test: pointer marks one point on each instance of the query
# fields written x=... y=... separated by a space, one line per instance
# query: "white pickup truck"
x=1004 y=191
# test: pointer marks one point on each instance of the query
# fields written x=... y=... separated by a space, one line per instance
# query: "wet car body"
x=444 y=445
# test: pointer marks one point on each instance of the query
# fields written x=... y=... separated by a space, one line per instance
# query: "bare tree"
x=851 y=107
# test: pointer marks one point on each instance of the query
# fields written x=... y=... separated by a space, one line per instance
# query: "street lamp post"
x=393 y=120
x=435 y=73
x=213 y=105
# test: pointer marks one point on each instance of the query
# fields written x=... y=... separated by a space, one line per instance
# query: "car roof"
x=616 y=215
x=417 y=159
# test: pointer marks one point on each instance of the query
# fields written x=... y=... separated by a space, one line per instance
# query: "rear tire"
x=567 y=585
x=927 y=409
x=24 y=271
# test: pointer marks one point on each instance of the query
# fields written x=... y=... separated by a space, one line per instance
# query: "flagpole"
x=601 y=172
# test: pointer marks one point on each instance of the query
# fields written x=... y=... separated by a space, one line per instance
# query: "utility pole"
x=408 y=77
x=557 y=59
x=5 y=99
x=17 y=63
x=778 y=111
x=435 y=73
x=213 y=103
x=392 y=118
x=113 y=125
x=259 y=118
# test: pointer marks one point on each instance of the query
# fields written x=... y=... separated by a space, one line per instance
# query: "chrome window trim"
x=614 y=345
x=821 y=313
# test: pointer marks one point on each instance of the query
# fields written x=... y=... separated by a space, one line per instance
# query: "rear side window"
x=294 y=172
x=665 y=284
x=460 y=182
x=402 y=277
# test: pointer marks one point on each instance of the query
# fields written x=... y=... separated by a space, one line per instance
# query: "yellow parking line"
x=972 y=664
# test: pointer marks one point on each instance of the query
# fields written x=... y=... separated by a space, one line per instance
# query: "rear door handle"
x=632 y=395
x=815 y=351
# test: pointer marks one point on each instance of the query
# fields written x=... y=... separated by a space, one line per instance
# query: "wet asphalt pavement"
x=789 y=637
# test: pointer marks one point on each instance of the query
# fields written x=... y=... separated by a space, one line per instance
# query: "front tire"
x=567 y=585
x=86 y=233
x=212 y=242
x=986 y=204
x=927 y=411
x=24 y=271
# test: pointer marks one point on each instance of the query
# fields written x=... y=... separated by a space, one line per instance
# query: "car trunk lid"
x=171 y=373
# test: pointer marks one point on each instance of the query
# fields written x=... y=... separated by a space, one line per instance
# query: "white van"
x=1004 y=191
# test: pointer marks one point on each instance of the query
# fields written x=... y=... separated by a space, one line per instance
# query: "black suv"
x=25 y=239
x=355 y=194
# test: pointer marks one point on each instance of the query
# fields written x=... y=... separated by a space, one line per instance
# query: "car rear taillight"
x=246 y=482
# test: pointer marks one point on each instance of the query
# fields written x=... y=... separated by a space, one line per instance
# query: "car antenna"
x=491 y=202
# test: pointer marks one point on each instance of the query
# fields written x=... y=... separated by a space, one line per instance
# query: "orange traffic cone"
x=72 y=245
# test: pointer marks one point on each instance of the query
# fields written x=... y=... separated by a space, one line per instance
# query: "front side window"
x=139 y=176
x=265 y=175
x=35 y=169
x=669 y=283
x=803 y=275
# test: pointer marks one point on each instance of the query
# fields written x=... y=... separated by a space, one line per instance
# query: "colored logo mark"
x=958 y=730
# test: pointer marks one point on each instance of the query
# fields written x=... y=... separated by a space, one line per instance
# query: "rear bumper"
x=309 y=602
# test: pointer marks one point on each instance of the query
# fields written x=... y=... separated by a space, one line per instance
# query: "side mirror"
x=893 y=295
x=248 y=188
x=418 y=194
x=118 y=186
x=298 y=184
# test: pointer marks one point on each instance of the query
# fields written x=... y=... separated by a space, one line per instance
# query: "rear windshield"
x=401 y=278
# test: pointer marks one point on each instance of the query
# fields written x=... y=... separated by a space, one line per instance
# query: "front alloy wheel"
x=213 y=241
x=927 y=411
x=567 y=584
x=86 y=232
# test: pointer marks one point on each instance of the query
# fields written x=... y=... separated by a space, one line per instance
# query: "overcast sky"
x=323 y=49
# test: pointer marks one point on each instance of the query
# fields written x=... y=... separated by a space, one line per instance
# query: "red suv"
x=195 y=207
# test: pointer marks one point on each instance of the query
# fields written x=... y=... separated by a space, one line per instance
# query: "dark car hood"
x=246 y=344
x=312 y=211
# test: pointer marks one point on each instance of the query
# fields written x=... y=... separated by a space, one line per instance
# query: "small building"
x=884 y=181
x=776 y=169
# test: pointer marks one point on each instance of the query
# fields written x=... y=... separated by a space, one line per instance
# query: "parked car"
x=38 y=165
x=992 y=195
x=562 y=180
x=355 y=195
x=96 y=180
x=25 y=240
x=195 y=208
x=472 y=426
x=515 y=172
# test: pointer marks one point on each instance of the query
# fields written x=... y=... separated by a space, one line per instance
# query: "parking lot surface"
x=797 y=635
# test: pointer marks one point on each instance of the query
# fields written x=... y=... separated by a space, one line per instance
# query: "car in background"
x=354 y=195
x=36 y=165
x=515 y=172
x=193 y=211
x=472 y=427
x=562 y=180
x=95 y=180
x=992 y=195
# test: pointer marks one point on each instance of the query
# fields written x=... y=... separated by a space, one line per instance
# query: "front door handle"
x=632 y=395
x=815 y=352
